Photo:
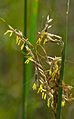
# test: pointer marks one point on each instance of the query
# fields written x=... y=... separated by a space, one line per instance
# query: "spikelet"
x=22 y=46
x=48 y=102
x=34 y=87
x=28 y=60
x=17 y=39
x=42 y=95
x=45 y=96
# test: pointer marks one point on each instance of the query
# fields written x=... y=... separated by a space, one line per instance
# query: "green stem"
x=58 y=111
x=33 y=21
x=24 y=107
x=32 y=36
x=28 y=68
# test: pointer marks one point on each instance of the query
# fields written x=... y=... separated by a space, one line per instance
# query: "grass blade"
x=58 y=111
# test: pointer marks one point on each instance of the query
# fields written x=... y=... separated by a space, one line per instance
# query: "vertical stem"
x=32 y=37
x=24 y=112
x=27 y=70
x=33 y=21
x=58 y=111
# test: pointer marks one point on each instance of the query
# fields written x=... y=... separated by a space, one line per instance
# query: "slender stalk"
x=33 y=21
x=32 y=36
x=28 y=68
x=24 y=107
x=58 y=111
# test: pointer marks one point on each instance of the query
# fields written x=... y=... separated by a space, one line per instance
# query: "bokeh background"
x=11 y=60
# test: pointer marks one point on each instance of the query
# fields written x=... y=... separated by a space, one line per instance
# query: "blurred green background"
x=11 y=60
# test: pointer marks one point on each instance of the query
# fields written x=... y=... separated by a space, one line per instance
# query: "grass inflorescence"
x=46 y=80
